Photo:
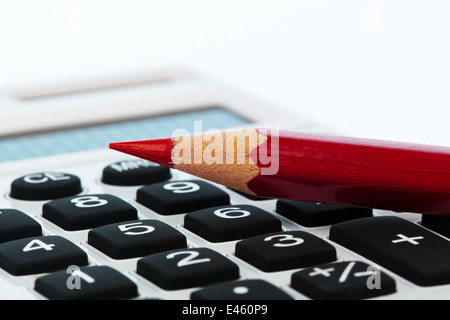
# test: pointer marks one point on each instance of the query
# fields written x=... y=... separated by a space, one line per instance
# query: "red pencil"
x=311 y=167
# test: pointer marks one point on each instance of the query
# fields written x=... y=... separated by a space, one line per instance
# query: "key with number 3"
x=285 y=250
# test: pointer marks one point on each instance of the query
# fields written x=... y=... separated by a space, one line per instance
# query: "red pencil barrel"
x=359 y=172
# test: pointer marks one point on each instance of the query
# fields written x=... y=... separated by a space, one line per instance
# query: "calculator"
x=81 y=221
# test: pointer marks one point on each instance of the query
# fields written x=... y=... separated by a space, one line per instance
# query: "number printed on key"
x=191 y=258
x=231 y=213
x=285 y=240
x=141 y=228
x=182 y=187
x=89 y=202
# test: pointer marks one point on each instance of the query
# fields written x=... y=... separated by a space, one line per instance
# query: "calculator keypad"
x=135 y=230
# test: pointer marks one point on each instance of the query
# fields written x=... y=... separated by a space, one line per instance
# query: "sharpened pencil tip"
x=157 y=150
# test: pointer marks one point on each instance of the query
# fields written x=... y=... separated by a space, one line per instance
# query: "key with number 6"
x=136 y=238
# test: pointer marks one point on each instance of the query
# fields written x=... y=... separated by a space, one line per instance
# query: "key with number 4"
x=39 y=255
x=187 y=268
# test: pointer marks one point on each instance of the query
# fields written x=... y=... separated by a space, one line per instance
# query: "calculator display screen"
x=99 y=136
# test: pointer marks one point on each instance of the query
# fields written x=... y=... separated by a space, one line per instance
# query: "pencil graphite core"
x=312 y=167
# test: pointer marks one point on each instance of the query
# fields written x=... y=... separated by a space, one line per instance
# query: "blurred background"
x=370 y=68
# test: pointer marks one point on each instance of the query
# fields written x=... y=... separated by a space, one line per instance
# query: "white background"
x=370 y=68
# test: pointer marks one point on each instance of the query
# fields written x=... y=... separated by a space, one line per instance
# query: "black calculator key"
x=40 y=255
x=134 y=173
x=187 y=268
x=86 y=283
x=250 y=196
x=252 y=289
x=15 y=224
x=136 y=238
x=176 y=197
x=285 y=250
x=226 y=223
x=343 y=280
x=88 y=211
x=439 y=224
x=45 y=186
x=312 y=214
x=403 y=247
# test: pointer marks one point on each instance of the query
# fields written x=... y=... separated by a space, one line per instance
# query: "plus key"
x=405 y=248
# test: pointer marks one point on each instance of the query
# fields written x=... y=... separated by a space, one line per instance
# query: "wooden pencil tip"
x=157 y=150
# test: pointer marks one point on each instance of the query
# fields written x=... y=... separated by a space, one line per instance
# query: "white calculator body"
x=66 y=127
